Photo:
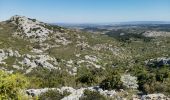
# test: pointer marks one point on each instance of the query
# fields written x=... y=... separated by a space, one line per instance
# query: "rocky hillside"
x=58 y=59
x=49 y=46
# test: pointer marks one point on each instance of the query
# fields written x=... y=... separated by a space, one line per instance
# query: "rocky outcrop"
x=30 y=61
x=75 y=94
x=156 y=34
x=155 y=97
x=91 y=60
x=5 y=53
x=47 y=36
x=33 y=61
x=158 y=62
x=30 y=28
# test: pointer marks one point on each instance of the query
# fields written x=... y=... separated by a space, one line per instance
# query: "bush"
x=92 y=95
x=146 y=82
x=87 y=79
x=11 y=86
x=162 y=74
x=112 y=82
x=89 y=76
x=53 y=95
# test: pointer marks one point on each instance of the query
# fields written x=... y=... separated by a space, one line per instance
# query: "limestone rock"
x=129 y=81
x=75 y=93
x=154 y=97
x=33 y=61
x=30 y=28
x=156 y=34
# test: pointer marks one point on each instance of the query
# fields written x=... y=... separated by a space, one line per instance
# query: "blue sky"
x=87 y=11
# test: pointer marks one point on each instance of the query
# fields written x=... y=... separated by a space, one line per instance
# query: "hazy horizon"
x=87 y=11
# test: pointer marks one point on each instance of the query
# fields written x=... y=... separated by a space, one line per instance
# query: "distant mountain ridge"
x=113 y=23
x=146 y=22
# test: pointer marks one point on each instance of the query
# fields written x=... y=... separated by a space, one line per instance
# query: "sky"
x=87 y=11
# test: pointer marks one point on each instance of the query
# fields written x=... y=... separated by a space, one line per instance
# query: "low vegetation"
x=53 y=95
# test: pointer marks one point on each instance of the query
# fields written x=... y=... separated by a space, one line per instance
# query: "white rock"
x=129 y=81
x=76 y=94
x=91 y=58
x=33 y=61
x=10 y=53
x=16 y=54
x=70 y=62
x=17 y=67
x=156 y=34
x=31 y=28
x=37 y=51
x=28 y=62
x=154 y=97
x=2 y=55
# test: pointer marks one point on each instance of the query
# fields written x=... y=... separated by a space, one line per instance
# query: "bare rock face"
x=30 y=28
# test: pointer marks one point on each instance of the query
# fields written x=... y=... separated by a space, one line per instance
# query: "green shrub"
x=87 y=79
x=162 y=74
x=112 y=82
x=146 y=82
x=53 y=95
x=92 y=95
